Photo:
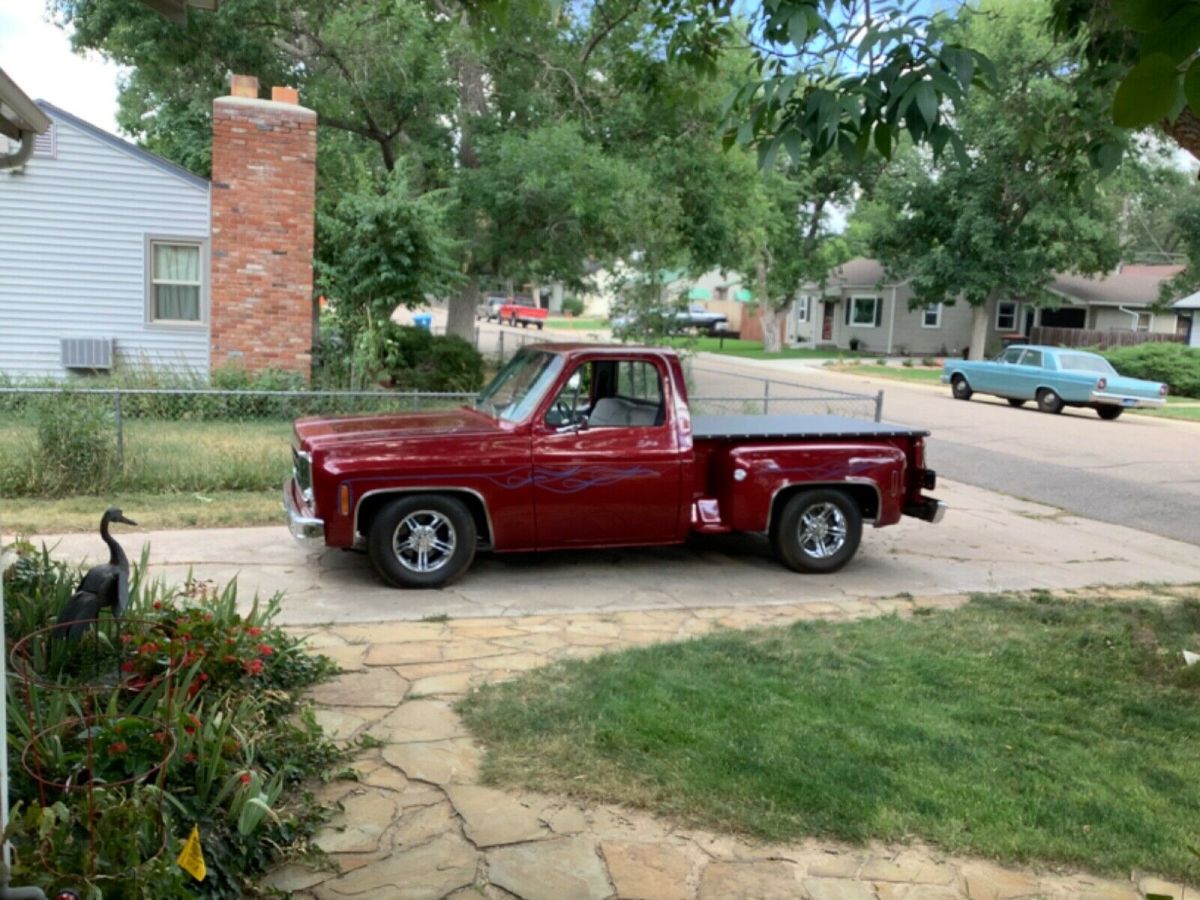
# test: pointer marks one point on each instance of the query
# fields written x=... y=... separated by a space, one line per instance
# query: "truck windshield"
x=520 y=385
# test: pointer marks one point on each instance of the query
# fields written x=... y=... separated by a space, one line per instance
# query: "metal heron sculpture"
x=103 y=586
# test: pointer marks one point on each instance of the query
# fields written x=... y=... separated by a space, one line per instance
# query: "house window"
x=1006 y=316
x=931 y=316
x=1145 y=320
x=864 y=312
x=722 y=293
x=176 y=282
x=803 y=309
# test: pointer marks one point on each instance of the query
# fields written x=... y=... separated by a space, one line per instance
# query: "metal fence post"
x=120 y=428
x=766 y=395
x=501 y=346
x=879 y=407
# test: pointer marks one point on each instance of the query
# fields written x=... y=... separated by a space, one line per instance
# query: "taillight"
x=1101 y=384
x=1162 y=390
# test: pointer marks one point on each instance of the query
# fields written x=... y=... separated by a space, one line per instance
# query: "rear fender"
x=873 y=474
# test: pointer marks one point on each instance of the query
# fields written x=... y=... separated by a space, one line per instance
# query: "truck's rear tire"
x=818 y=530
x=422 y=541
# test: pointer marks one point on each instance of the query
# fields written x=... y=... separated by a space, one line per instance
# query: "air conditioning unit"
x=95 y=354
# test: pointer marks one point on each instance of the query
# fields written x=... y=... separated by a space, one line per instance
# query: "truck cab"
x=574 y=446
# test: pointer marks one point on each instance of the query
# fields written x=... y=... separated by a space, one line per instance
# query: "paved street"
x=1136 y=471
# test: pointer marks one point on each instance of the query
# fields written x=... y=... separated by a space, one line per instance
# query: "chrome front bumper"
x=1127 y=402
x=305 y=529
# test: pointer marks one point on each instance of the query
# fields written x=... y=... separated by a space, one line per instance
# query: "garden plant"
x=185 y=715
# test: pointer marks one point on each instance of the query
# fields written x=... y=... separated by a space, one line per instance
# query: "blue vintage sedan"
x=1054 y=377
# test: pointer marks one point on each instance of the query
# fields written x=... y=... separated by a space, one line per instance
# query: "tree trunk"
x=979 y=325
x=460 y=317
x=472 y=104
x=772 y=326
x=1185 y=131
x=556 y=297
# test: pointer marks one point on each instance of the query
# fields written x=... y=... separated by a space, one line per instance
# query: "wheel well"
x=866 y=496
x=369 y=507
x=958 y=376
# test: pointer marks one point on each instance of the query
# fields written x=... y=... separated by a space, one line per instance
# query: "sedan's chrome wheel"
x=822 y=530
x=424 y=541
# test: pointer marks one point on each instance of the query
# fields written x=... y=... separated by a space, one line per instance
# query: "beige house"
x=860 y=306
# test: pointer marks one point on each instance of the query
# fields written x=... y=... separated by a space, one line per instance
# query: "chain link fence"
x=65 y=441
x=718 y=391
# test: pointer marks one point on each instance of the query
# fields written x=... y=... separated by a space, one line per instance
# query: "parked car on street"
x=489 y=309
x=579 y=445
x=695 y=318
x=1054 y=378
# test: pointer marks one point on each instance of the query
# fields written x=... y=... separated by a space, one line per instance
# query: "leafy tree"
x=799 y=244
x=380 y=250
x=841 y=75
x=998 y=221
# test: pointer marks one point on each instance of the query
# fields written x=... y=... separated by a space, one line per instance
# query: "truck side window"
x=573 y=402
x=636 y=400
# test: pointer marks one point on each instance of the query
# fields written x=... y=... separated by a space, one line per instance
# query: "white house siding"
x=1111 y=318
x=73 y=238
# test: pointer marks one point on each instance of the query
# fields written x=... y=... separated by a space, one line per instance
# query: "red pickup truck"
x=519 y=314
x=579 y=445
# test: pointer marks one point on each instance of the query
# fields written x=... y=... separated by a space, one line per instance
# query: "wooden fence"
x=1086 y=337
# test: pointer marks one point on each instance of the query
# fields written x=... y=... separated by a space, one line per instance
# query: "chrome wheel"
x=424 y=541
x=822 y=530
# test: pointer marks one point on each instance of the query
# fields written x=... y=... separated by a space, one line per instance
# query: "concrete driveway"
x=988 y=541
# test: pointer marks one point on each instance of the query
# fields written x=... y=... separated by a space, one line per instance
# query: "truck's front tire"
x=422 y=541
x=818 y=531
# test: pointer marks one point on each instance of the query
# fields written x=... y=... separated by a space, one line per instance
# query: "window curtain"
x=177 y=282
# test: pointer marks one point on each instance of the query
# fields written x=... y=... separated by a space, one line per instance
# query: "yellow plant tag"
x=191 y=857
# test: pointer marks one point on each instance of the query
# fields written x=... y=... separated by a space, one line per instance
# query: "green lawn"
x=899 y=373
x=752 y=349
x=576 y=324
x=1177 y=408
x=215 y=509
x=1027 y=730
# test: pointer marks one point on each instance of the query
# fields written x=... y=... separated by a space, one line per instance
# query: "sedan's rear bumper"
x=1107 y=399
x=304 y=528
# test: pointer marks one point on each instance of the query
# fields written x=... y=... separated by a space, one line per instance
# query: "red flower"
x=148 y=648
x=254 y=631
x=117 y=747
x=158 y=604
x=265 y=649
x=189 y=757
x=193 y=689
x=245 y=778
x=126 y=638
x=160 y=737
x=126 y=666
x=254 y=667
x=194 y=720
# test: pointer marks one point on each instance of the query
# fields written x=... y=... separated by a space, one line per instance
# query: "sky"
x=37 y=55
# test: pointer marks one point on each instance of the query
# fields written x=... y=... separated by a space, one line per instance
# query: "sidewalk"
x=418 y=824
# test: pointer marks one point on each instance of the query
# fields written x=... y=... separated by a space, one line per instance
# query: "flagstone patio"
x=417 y=824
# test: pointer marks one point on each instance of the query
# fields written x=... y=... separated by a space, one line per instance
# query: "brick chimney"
x=264 y=157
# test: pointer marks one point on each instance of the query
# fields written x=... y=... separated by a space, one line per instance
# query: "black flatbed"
x=776 y=427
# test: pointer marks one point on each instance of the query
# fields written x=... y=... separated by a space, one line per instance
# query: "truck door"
x=606 y=461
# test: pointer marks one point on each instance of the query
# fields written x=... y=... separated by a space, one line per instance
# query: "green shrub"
x=1176 y=365
x=908 y=364
x=928 y=361
x=76 y=451
x=222 y=687
x=413 y=359
x=572 y=306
